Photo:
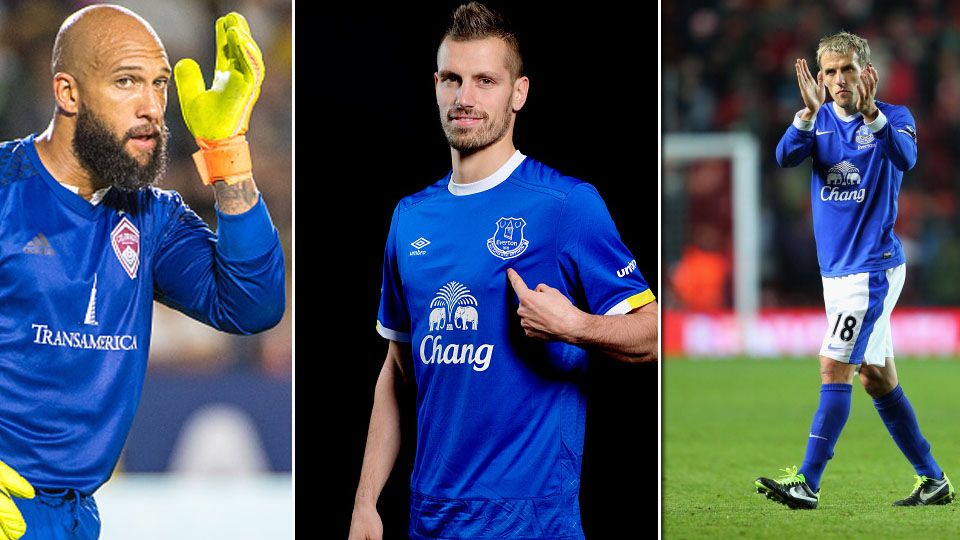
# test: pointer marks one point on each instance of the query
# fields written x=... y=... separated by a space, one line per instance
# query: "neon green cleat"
x=928 y=491
x=791 y=490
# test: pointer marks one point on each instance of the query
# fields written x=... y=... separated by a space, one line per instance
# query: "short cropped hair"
x=842 y=43
x=476 y=21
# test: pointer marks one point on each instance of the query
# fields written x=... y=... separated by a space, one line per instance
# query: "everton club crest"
x=126 y=244
x=508 y=241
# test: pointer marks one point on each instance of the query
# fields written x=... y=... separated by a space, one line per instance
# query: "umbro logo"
x=39 y=246
x=420 y=243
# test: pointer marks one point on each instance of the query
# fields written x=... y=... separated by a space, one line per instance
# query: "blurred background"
x=728 y=69
x=212 y=439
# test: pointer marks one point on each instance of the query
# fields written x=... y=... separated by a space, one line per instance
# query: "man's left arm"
x=616 y=312
x=896 y=135
x=547 y=314
x=233 y=281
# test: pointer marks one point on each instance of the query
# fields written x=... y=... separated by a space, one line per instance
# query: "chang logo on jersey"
x=508 y=242
x=454 y=310
x=843 y=181
x=125 y=239
x=864 y=138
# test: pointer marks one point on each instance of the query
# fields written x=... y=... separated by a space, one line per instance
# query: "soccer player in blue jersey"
x=860 y=149
x=87 y=245
x=496 y=364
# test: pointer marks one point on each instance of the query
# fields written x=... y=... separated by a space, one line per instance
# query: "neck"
x=55 y=148
x=849 y=110
x=471 y=167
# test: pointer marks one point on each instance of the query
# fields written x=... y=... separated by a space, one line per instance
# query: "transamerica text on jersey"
x=82 y=340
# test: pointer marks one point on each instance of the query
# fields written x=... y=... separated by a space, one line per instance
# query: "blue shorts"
x=60 y=515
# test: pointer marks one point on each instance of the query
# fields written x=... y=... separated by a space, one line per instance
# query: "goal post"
x=743 y=151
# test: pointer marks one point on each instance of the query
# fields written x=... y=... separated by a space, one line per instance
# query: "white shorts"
x=858 y=315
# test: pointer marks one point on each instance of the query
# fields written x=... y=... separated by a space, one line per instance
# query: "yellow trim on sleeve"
x=641 y=299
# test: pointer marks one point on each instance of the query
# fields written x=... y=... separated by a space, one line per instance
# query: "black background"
x=368 y=134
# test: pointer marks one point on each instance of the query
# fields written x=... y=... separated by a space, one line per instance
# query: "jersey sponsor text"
x=454 y=308
x=81 y=340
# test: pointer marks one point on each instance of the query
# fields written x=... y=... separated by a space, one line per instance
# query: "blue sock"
x=825 y=429
x=901 y=422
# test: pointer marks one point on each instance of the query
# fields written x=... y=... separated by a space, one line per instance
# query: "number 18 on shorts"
x=858 y=315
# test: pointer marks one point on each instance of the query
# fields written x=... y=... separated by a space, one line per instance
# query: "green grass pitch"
x=726 y=422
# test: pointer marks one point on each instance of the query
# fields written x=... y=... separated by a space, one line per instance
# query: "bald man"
x=87 y=244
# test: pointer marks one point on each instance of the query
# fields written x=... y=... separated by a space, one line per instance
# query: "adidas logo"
x=39 y=246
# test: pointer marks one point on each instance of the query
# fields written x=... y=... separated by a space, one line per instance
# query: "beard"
x=106 y=157
x=470 y=140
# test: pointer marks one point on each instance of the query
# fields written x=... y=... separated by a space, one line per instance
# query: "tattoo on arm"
x=238 y=198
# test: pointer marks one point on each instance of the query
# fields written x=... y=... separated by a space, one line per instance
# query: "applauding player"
x=860 y=149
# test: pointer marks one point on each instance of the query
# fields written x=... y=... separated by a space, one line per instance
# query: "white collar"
x=489 y=182
x=842 y=114
x=95 y=198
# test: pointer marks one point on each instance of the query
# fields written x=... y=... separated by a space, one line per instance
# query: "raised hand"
x=867 y=92
x=812 y=90
x=218 y=117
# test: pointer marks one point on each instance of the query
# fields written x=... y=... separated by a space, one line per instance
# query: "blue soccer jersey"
x=857 y=172
x=500 y=415
x=77 y=285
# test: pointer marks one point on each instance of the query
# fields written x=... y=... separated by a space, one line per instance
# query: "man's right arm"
x=797 y=143
x=383 y=443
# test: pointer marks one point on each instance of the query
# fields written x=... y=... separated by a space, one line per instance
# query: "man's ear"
x=66 y=93
x=520 y=88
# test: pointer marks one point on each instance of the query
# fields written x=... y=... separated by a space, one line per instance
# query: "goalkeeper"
x=87 y=244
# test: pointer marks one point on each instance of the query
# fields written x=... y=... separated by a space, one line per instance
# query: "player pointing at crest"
x=499 y=411
x=860 y=149
x=87 y=244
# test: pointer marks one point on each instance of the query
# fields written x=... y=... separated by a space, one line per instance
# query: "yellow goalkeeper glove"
x=219 y=117
x=12 y=485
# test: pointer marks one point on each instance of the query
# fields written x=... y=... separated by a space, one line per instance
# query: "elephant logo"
x=463 y=316
x=438 y=318
x=453 y=308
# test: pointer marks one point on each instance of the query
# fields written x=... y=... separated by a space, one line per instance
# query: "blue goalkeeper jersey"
x=500 y=416
x=77 y=285
x=855 y=182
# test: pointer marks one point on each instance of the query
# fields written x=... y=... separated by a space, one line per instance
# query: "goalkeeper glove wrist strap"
x=226 y=159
